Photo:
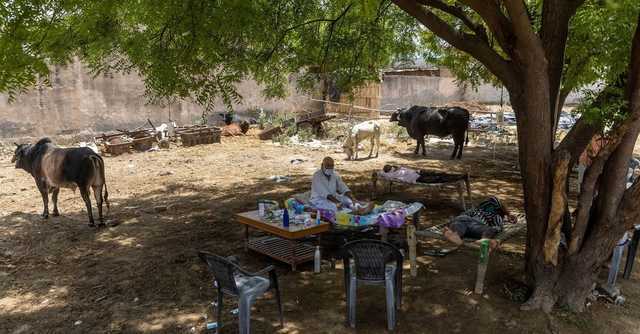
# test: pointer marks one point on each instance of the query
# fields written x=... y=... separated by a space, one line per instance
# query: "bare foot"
x=453 y=237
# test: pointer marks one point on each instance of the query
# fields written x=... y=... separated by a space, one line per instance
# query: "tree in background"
x=538 y=50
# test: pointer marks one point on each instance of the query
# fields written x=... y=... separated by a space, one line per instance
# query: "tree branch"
x=458 y=13
x=554 y=32
x=521 y=24
x=495 y=19
x=468 y=43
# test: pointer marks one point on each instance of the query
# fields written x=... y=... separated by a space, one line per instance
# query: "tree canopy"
x=200 y=49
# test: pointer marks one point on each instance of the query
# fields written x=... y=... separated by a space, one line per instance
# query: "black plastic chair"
x=373 y=262
x=232 y=280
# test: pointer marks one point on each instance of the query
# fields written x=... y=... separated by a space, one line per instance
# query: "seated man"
x=482 y=222
x=329 y=192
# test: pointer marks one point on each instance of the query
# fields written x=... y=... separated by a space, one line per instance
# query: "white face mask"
x=327 y=172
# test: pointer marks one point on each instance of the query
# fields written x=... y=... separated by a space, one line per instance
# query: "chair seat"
x=251 y=285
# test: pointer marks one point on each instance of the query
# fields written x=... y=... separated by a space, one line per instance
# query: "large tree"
x=199 y=49
x=526 y=53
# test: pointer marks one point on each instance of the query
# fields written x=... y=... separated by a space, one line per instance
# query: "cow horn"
x=17 y=145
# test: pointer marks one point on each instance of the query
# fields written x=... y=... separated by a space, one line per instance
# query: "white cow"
x=360 y=132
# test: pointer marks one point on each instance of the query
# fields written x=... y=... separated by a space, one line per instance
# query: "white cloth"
x=323 y=186
x=326 y=204
x=406 y=175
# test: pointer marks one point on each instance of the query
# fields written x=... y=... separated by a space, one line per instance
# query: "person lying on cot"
x=482 y=222
x=409 y=175
x=328 y=191
x=401 y=173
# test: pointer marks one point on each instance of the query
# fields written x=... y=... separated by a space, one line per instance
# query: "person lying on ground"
x=329 y=192
x=482 y=222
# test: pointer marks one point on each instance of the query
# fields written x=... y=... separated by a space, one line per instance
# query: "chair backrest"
x=371 y=257
x=223 y=271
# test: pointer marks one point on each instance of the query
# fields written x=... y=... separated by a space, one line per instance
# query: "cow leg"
x=460 y=149
x=84 y=192
x=424 y=147
x=377 y=143
x=417 y=147
x=355 y=147
x=455 y=149
x=44 y=192
x=54 y=198
x=373 y=141
x=97 y=193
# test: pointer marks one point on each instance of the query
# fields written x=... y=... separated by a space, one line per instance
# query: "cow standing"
x=360 y=132
x=53 y=168
x=421 y=121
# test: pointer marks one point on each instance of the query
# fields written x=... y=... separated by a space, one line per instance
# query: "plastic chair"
x=232 y=280
x=373 y=262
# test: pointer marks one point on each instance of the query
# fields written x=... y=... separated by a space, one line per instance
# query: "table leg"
x=384 y=232
x=246 y=238
x=461 y=194
x=294 y=257
x=468 y=184
x=411 y=239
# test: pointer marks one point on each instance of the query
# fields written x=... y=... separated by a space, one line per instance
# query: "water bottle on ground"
x=316 y=260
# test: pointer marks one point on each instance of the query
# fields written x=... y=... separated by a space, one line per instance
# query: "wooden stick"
x=412 y=240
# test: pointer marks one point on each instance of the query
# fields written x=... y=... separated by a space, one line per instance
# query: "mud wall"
x=77 y=101
x=400 y=91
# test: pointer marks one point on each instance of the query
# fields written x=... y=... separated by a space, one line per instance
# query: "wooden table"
x=282 y=244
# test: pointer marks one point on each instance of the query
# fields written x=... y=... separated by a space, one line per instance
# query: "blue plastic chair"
x=232 y=280
x=373 y=262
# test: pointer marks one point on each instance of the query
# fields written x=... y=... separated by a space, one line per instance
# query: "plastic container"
x=285 y=218
x=343 y=218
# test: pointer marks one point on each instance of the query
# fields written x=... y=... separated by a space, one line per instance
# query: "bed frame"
x=459 y=180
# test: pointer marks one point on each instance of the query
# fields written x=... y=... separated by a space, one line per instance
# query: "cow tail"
x=467 y=131
x=99 y=163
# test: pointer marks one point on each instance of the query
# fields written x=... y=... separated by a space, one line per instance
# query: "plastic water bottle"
x=285 y=218
x=316 y=260
x=318 y=219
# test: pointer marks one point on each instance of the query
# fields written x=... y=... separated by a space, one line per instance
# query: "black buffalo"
x=421 y=121
x=53 y=168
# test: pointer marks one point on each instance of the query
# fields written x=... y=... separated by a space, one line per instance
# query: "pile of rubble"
x=151 y=138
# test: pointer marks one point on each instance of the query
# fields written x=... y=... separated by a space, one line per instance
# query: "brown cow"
x=235 y=129
x=53 y=168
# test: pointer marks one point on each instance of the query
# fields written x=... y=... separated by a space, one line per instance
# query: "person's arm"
x=343 y=189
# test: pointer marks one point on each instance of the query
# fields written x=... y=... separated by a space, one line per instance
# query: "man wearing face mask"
x=328 y=191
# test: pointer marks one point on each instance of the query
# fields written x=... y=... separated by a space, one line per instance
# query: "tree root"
x=539 y=301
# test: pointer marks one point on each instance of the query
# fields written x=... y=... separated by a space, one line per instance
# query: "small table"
x=282 y=244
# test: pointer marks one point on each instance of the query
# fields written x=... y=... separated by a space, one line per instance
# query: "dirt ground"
x=141 y=274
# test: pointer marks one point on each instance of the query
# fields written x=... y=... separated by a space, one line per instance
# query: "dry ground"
x=141 y=273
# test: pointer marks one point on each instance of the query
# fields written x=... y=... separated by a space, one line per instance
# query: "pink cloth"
x=401 y=174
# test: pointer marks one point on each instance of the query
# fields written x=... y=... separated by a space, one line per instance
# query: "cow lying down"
x=235 y=129
x=53 y=168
